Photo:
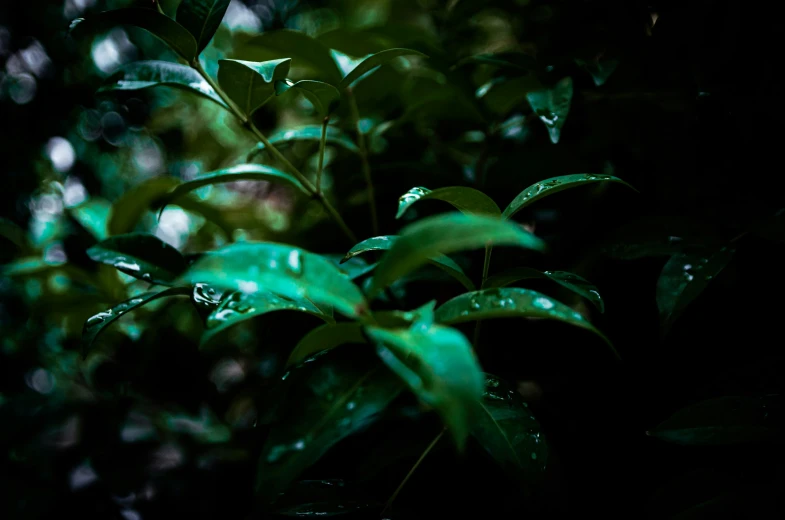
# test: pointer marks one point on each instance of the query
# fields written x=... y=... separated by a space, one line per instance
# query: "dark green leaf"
x=354 y=268
x=504 y=94
x=142 y=256
x=282 y=269
x=345 y=62
x=446 y=233
x=324 y=97
x=507 y=60
x=308 y=133
x=371 y=62
x=251 y=84
x=571 y=281
x=724 y=420
x=171 y=32
x=682 y=280
x=510 y=433
x=600 y=70
x=553 y=185
x=129 y=208
x=466 y=200
x=140 y=75
x=15 y=234
x=202 y=18
x=439 y=366
x=552 y=106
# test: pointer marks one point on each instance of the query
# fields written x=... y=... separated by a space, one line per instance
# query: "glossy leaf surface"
x=250 y=84
x=142 y=256
x=324 y=97
x=571 y=281
x=201 y=18
x=464 y=199
x=373 y=61
x=132 y=205
x=552 y=106
x=309 y=133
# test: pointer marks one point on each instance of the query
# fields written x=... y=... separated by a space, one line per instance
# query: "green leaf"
x=510 y=302
x=552 y=106
x=722 y=421
x=682 y=280
x=553 y=185
x=600 y=70
x=140 y=75
x=329 y=398
x=501 y=94
x=324 y=97
x=437 y=363
x=373 y=61
x=241 y=306
x=345 y=62
x=282 y=269
x=571 y=281
x=242 y=172
x=354 y=267
x=99 y=322
x=308 y=133
x=507 y=60
x=465 y=200
x=142 y=256
x=129 y=208
x=202 y=18
x=510 y=433
x=383 y=243
x=15 y=234
x=446 y=233
x=251 y=84
x=175 y=35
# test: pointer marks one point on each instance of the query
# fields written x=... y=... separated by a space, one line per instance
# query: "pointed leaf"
x=324 y=97
x=131 y=206
x=600 y=70
x=553 y=185
x=251 y=84
x=345 y=62
x=171 y=32
x=447 y=233
x=354 y=267
x=437 y=363
x=142 y=256
x=571 y=281
x=202 y=18
x=682 y=280
x=510 y=433
x=373 y=61
x=465 y=200
x=282 y=269
x=98 y=323
x=140 y=75
x=308 y=133
x=553 y=105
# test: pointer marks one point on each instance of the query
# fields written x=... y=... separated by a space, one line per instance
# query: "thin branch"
x=322 y=144
x=364 y=157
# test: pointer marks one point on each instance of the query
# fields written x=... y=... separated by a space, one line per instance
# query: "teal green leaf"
x=723 y=421
x=437 y=363
x=510 y=302
x=554 y=185
x=600 y=70
x=552 y=106
x=354 y=267
x=172 y=33
x=571 y=281
x=465 y=200
x=240 y=306
x=142 y=256
x=682 y=280
x=509 y=432
x=132 y=205
x=99 y=322
x=308 y=133
x=282 y=269
x=140 y=75
x=345 y=62
x=373 y=61
x=446 y=233
x=329 y=398
x=507 y=60
x=324 y=97
x=202 y=18
x=383 y=243
x=251 y=84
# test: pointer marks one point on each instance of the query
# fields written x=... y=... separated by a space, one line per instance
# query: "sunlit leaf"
x=202 y=18
x=571 y=281
x=552 y=106
x=175 y=35
x=142 y=256
x=324 y=97
x=282 y=269
x=446 y=233
x=437 y=363
x=131 y=206
x=553 y=185
x=250 y=84
x=308 y=133
x=140 y=75
x=371 y=62
x=464 y=199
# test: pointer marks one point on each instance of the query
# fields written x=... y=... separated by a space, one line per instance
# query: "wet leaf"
x=437 y=363
x=446 y=233
x=251 y=84
x=99 y=322
x=682 y=280
x=282 y=269
x=571 y=281
x=324 y=97
x=171 y=32
x=142 y=256
x=552 y=106
x=724 y=420
x=202 y=18
x=140 y=75
x=373 y=61
x=465 y=200
x=308 y=133
x=132 y=205
x=554 y=185
x=507 y=429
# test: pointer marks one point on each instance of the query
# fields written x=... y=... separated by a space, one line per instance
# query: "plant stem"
x=248 y=124
x=411 y=471
x=322 y=144
x=485 y=268
x=364 y=158
x=158 y=6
